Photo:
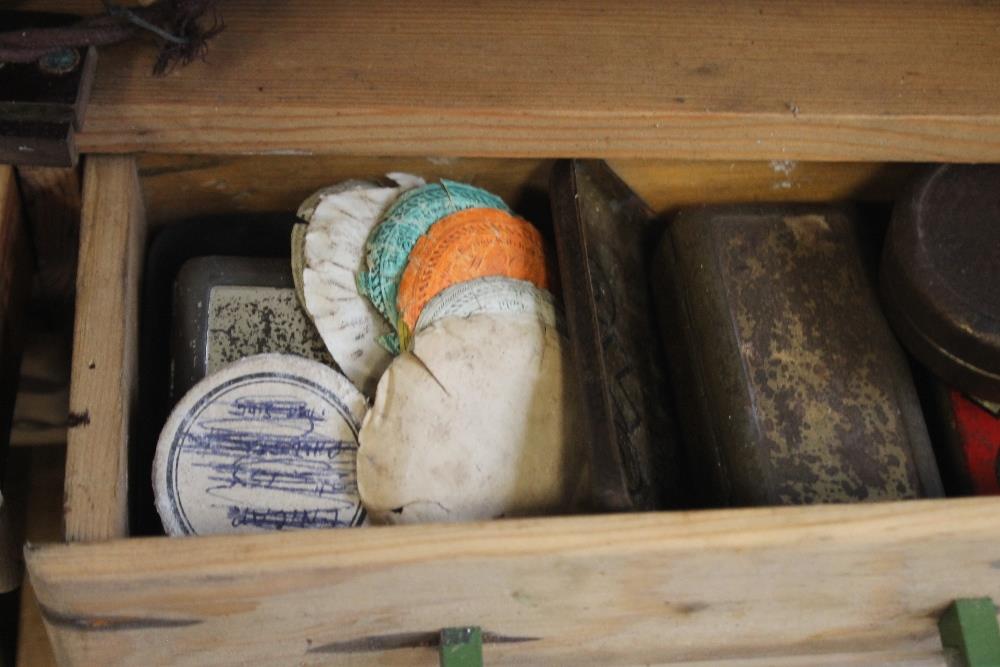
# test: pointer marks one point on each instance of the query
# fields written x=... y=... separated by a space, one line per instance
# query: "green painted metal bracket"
x=969 y=627
x=461 y=647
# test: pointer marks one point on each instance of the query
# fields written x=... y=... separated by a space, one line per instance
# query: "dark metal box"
x=791 y=387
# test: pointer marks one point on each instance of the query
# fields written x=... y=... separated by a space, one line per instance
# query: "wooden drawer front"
x=858 y=584
x=813 y=586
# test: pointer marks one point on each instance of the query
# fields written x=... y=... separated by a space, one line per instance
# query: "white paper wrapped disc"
x=494 y=295
x=266 y=443
x=479 y=421
x=332 y=253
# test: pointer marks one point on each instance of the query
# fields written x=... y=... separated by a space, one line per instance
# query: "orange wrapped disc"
x=466 y=245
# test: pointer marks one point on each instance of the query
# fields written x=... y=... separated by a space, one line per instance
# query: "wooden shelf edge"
x=875 y=524
x=853 y=584
x=290 y=130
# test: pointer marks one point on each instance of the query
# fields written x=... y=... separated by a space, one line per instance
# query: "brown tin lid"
x=940 y=275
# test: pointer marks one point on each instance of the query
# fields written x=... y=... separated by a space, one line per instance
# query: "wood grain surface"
x=775 y=79
x=16 y=268
x=52 y=211
x=856 y=584
x=177 y=187
x=104 y=349
x=35 y=483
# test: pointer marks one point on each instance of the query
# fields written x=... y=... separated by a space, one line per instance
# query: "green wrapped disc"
x=406 y=220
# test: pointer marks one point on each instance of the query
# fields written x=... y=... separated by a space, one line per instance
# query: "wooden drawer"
x=858 y=584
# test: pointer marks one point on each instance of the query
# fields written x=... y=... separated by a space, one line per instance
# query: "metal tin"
x=940 y=276
x=970 y=435
x=792 y=388
x=228 y=308
x=603 y=236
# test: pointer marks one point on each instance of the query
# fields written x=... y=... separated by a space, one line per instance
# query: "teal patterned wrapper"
x=389 y=246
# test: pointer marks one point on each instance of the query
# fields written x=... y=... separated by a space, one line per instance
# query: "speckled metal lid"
x=940 y=275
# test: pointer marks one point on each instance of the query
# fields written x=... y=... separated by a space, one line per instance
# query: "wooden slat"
x=667 y=185
x=52 y=211
x=224 y=185
x=16 y=266
x=42 y=404
x=37 y=489
x=221 y=185
x=104 y=349
x=759 y=586
x=775 y=79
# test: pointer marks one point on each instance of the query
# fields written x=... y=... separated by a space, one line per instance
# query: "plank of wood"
x=16 y=266
x=792 y=585
x=33 y=646
x=51 y=198
x=775 y=79
x=105 y=344
x=667 y=185
x=223 y=185
x=51 y=203
x=177 y=186
x=42 y=405
x=36 y=493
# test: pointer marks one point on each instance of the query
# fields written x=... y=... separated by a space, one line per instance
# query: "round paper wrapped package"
x=473 y=243
x=306 y=210
x=479 y=421
x=409 y=217
x=333 y=251
x=493 y=295
x=266 y=443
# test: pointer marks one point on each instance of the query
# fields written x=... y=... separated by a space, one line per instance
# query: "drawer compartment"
x=852 y=584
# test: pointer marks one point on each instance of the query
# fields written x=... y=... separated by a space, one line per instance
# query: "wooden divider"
x=104 y=349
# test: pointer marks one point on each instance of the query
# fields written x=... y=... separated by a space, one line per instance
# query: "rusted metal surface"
x=940 y=275
x=603 y=237
x=793 y=389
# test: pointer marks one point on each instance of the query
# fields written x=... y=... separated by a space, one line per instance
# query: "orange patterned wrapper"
x=466 y=245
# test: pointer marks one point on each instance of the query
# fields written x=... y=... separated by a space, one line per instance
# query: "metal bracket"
x=42 y=103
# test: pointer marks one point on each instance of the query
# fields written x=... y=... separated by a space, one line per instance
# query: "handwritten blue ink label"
x=268 y=443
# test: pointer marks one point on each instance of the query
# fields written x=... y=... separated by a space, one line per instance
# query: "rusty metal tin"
x=940 y=275
x=604 y=234
x=792 y=389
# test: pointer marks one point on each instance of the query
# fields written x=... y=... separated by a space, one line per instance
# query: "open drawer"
x=852 y=584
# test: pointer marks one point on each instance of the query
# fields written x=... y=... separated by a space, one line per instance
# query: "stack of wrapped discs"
x=433 y=299
x=433 y=302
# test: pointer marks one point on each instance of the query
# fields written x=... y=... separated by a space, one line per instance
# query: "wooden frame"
x=859 y=584
x=855 y=584
x=773 y=79
x=671 y=92
x=16 y=268
x=105 y=341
